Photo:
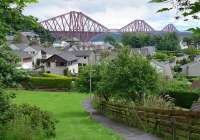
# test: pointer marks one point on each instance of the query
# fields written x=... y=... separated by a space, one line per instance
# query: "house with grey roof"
x=145 y=51
x=197 y=58
x=163 y=68
x=59 y=63
x=191 y=69
x=85 y=57
x=25 y=59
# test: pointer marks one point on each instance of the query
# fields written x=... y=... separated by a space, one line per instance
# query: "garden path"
x=128 y=133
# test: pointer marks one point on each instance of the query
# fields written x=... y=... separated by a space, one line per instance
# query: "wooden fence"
x=169 y=124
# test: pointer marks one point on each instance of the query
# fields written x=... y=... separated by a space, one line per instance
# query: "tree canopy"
x=126 y=75
x=137 y=40
x=185 y=8
x=169 y=42
x=12 y=20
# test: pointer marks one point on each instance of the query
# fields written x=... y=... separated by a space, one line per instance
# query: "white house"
x=59 y=63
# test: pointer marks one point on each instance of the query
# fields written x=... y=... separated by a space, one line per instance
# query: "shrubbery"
x=20 y=129
x=183 y=98
x=51 y=82
x=32 y=115
x=180 y=89
x=83 y=83
x=126 y=76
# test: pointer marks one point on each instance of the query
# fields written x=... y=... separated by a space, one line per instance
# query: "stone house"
x=191 y=69
x=145 y=51
x=163 y=68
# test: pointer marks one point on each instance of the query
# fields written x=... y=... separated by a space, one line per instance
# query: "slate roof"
x=190 y=64
x=82 y=53
x=68 y=56
x=22 y=54
x=29 y=34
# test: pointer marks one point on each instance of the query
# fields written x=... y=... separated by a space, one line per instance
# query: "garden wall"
x=169 y=124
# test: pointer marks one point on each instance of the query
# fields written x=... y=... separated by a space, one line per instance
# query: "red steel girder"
x=73 y=22
x=137 y=26
x=169 y=28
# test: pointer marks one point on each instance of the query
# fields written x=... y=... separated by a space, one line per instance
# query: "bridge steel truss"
x=137 y=26
x=79 y=25
x=169 y=28
x=74 y=24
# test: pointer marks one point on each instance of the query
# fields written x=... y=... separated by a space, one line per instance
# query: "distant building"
x=85 y=57
x=59 y=63
x=197 y=58
x=25 y=60
x=145 y=51
x=163 y=68
x=60 y=44
x=191 y=69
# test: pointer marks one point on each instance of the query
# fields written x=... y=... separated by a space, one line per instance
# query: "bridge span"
x=78 y=25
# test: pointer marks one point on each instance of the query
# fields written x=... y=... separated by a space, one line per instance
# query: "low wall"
x=169 y=124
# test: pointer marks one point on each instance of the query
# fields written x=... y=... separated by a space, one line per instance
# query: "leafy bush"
x=153 y=101
x=51 y=82
x=183 y=98
x=37 y=118
x=180 y=89
x=128 y=76
x=83 y=83
x=4 y=104
x=161 y=56
x=56 y=76
x=20 y=129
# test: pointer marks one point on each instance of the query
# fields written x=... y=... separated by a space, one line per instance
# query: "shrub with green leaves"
x=161 y=56
x=83 y=83
x=37 y=118
x=153 y=101
x=51 y=82
x=21 y=129
x=128 y=76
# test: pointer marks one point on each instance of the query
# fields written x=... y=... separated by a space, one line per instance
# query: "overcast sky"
x=111 y=13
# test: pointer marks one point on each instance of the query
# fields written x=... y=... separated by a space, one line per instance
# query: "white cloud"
x=111 y=13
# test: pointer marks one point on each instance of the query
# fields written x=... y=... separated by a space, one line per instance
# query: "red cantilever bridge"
x=79 y=25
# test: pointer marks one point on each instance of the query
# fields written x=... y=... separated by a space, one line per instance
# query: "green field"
x=73 y=122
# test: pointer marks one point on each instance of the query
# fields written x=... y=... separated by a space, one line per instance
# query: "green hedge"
x=49 y=82
x=184 y=98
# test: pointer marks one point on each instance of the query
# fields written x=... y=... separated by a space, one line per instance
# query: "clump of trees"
x=138 y=40
x=168 y=42
x=12 y=20
x=127 y=76
x=17 y=122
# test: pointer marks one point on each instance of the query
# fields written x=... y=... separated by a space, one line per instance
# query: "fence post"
x=173 y=121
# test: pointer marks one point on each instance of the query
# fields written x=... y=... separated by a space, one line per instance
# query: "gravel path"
x=128 y=133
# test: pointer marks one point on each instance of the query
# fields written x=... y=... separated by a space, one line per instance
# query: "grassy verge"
x=73 y=122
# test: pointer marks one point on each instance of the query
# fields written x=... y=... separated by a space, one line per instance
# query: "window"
x=62 y=64
x=58 y=64
x=85 y=57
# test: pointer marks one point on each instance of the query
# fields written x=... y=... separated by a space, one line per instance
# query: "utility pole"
x=90 y=80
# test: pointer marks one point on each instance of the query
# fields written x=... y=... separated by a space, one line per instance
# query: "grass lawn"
x=73 y=122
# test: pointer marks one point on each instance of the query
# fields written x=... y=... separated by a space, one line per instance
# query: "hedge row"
x=56 y=76
x=49 y=83
x=184 y=98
